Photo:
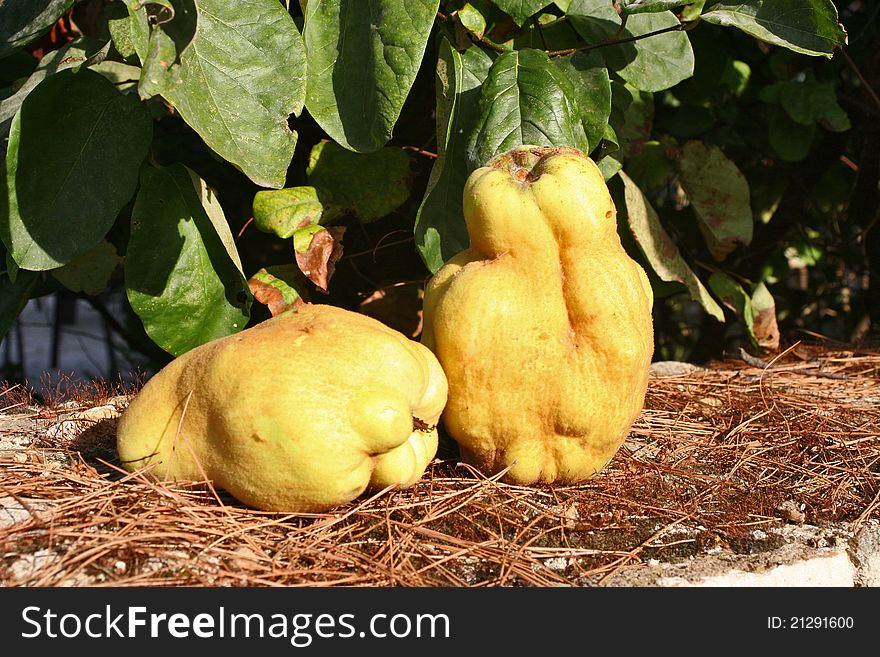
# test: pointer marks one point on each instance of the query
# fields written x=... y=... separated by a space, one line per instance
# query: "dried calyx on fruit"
x=543 y=326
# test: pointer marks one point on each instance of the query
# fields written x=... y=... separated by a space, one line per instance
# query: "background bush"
x=202 y=154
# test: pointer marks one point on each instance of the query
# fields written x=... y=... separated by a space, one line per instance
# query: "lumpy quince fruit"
x=302 y=412
x=543 y=326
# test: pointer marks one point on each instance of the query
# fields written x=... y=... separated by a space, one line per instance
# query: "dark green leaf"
x=91 y=271
x=12 y=267
x=14 y=296
x=733 y=296
x=181 y=278
x=440 y=230
x=659 y=249
x=23 y=21
x=651 y=167
x=687 y=121
x=592 y=92
x=525 y=99
x=652 y=63
x=363 y=58
x=282 y=211
x=70 y=55
x=719 y=195
x=521 y=10
x=368 y=185
x=649 y=6
x=632 y=114
x=736 y=76
x=236 y=81
x=595 y=20
x=75 y=148
x=792 y=141
x=805 y=26
x=809 y=101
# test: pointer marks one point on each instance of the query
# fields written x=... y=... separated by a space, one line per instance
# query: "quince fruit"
x=302 y=412
x=543 y=326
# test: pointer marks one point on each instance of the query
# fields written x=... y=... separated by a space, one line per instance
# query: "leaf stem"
x=681 y=27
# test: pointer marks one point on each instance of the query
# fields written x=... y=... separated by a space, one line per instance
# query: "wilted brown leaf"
x=318 y=262
x=277 y=288
x=765 y=328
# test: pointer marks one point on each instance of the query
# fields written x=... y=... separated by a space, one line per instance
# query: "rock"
x=673 y=368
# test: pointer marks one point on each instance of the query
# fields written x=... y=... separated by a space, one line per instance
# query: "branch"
x=681 y=27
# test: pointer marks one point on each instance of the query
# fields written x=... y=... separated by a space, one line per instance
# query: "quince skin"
x=302 y=412
x=543 y=326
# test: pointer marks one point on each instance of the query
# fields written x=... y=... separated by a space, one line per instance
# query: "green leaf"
x=14 y=296
x=734 y=297
x=123 y=76
x=440 y=231
x=805 y=26
x=592 y=92
x=659 y=249
x=736 y=76
x=75 y=148
x=23 y=21
x=91 y=271
x=236 y=82
x=302 y=237
x=792 y=141
x=628 y=7
x=521 y=10
x=525 y=99
x=595 y=20
x=363 y=58
x=181 y=279
x=282 y=211
x=472 y=20
x=652 y=63
x=368 y=185
x=70 y=55
x=119 y=25
x=719 y=195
